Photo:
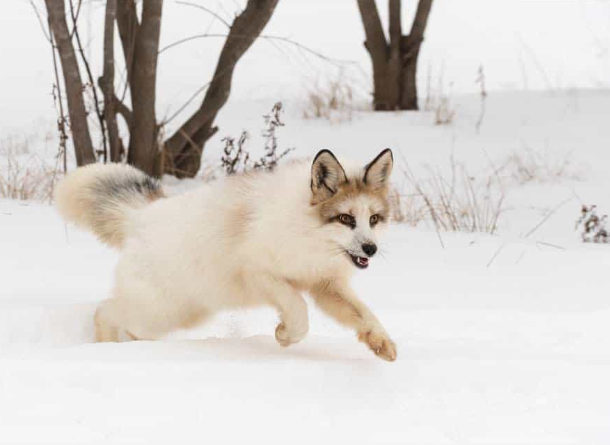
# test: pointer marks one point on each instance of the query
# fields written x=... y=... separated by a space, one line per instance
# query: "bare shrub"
x=455 y=202
x=591 y=226
x=332 y=99
x=531 y=165
x=236 y=157
x=273 y=122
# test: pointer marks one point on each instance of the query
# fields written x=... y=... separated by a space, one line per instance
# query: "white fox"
x=260 y=238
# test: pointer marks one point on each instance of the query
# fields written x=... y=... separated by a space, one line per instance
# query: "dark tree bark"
x=143 y=147
x=394 y=63
x=184 y=148
x=106 y=82
x=73 y=83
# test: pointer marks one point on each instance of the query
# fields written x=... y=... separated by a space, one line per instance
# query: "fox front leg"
x=294 y=323
x=338 y=300
x=292 y=308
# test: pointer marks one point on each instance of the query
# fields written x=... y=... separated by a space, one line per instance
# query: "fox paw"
x=379 y=343
x=286 y=337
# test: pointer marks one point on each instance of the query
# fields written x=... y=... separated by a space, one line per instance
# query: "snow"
x=501 y=339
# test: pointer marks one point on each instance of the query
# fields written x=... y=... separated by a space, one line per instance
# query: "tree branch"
x=395 y=26
x=47 y=35
x=264 y=37
x=96 y=102
x=375 y=39
x=127 y=22
x=106 y=82
x=124 y=111
x=245 y=29
x=420 y=21
x=209 y=11
x=143 y=147
x=75 y=16
x=59 y=100
x=201 y=89
x=73 y=83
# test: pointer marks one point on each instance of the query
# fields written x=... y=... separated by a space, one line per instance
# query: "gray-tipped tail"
x=100 y=197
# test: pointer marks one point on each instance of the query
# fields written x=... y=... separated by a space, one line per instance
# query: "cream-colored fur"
x=245 y=241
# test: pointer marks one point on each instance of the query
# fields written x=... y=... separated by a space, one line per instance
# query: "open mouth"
x=359 y=261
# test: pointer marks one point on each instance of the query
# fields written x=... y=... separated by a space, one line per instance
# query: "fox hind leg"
x=122 y=319
x=113 y=323
x=105 y=330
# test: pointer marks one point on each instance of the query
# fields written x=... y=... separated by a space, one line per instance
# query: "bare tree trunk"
x=394 y=63
x=73 y=83
x=106 y=82
x=395 y=55
x=127 y=21
x=410 y=54
x=143 y=146
x=184 y=148
x=384 y=94
x=409 y=98
x=74 y=13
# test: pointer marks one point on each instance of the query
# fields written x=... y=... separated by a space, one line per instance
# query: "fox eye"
x=348 y=220
x=374 y=219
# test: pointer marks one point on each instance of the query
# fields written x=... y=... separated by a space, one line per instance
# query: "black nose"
x=369 y=249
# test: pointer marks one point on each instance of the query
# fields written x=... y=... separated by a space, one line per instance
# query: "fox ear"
x=327 y=175
x=377 y=173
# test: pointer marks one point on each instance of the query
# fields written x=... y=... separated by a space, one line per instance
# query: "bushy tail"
x=100 y=197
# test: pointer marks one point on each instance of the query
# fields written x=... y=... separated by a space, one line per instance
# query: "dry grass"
x=335 y=99
x=438 y=100
x=530 y=165
x=23 y=175
x=455 y=200
x=407 y=208
x=452 y=202
x=480 y=81
x=443 y=112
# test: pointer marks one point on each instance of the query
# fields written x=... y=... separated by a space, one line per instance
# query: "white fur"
x=240 y=242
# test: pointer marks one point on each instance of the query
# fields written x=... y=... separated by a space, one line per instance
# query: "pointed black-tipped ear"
x=327 y=175
x=377 y=173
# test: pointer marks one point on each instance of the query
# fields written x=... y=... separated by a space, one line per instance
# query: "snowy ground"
x=510 y=351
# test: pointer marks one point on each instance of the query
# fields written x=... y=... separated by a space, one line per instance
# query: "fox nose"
x=369 y=249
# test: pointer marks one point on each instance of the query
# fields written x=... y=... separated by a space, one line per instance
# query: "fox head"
x=352 y=207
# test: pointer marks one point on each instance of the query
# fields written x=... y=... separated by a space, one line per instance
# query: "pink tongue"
x=363 y=261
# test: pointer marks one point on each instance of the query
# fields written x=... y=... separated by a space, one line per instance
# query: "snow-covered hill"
x=502 y=339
